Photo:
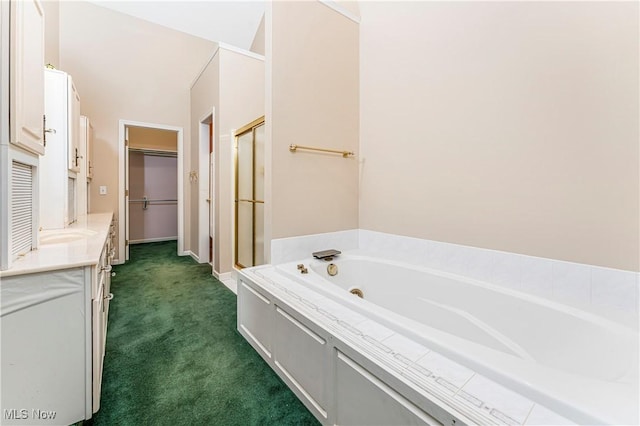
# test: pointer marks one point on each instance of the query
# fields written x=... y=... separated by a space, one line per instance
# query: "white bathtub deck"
x=468 y=392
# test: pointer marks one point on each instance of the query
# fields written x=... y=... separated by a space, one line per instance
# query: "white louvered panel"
x=21 y=208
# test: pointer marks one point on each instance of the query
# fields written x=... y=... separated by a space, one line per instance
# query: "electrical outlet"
x=103 y=190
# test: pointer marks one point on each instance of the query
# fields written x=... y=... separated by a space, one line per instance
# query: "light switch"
x=103 y=190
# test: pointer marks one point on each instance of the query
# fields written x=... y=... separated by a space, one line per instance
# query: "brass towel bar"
x=250 y=201
x=345 y=154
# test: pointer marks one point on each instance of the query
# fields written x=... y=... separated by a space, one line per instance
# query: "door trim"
x=122 y=125
x=204 y=192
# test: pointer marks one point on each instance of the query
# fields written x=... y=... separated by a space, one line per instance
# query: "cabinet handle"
x=113 y=274
x=109 y=296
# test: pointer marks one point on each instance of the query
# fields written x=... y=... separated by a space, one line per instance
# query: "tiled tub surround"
x=538 y=282
x=599 y=290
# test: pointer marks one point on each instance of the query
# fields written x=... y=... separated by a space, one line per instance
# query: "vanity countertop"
x=78 y=245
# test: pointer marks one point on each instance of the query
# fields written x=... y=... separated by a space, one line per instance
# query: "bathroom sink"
x=65 y=236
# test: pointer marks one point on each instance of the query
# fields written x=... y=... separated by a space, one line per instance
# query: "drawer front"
x=99 y=273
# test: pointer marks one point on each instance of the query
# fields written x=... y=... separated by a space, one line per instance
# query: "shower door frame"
x=241 y=131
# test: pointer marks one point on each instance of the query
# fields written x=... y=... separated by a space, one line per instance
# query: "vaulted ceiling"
x=231 y=22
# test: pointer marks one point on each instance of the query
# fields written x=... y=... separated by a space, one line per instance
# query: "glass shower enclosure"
x=249 y=195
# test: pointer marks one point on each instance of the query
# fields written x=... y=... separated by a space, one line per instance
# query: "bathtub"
x=582 y=366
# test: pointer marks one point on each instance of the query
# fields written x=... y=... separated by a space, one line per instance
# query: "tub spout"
x=326 y=255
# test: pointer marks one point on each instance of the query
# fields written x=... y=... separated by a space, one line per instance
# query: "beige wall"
x=505 y=125
x=233 y=84
x=242 y=99
x=258 y=41
x=312 y=69
x=205 y=96
x=127 y=68
x=148 y=138
x=51 y=32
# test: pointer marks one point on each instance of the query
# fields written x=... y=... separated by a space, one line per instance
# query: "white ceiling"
x=233 y=22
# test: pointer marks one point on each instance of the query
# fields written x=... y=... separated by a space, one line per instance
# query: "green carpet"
x=174 y=355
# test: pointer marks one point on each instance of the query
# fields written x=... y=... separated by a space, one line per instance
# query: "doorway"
x=151 y=185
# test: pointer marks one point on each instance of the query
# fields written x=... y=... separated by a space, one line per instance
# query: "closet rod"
x=153 y=201
x=155 y=152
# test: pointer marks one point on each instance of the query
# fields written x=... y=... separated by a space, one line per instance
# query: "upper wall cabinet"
x=86 y=169
x=58 y=180
x=74 y=156
x=86 y=146
x=26 y=75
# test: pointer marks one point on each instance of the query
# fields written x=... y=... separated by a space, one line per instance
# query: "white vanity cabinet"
x=53 y=320
x=59 y=166
x=26 y=75
x=101 y=296
x=45 y=335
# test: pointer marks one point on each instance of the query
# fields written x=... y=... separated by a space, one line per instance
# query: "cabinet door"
x=74 y=127
x=53 y=173
x=362 y=398
x=88 y=150
x=98 y=344
x=27 y=75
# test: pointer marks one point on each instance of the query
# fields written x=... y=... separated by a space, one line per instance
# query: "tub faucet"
x=326 y=255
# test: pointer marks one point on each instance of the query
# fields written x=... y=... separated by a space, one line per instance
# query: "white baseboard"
x=193 y=255
x=227 y=279
x=232 y=285
x=153 y=240
x=221 y=276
